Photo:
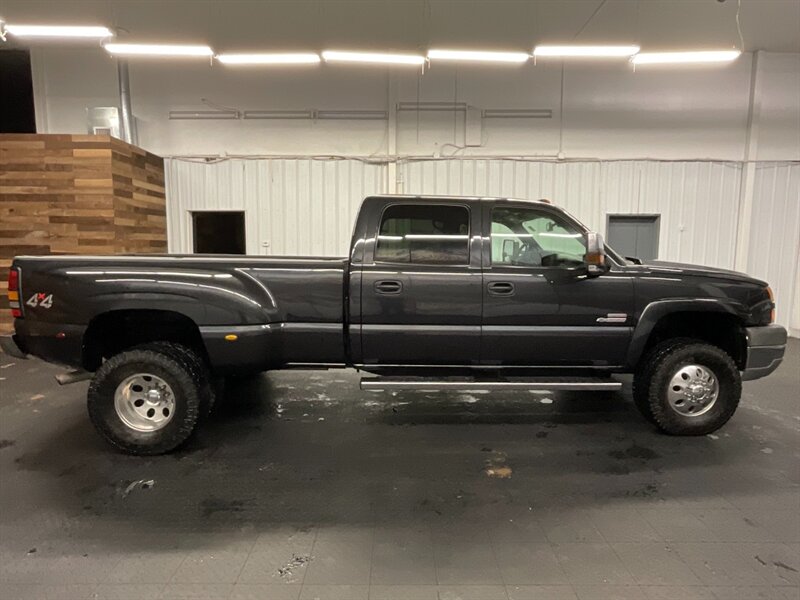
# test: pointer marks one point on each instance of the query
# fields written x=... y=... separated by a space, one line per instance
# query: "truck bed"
x=298 y=302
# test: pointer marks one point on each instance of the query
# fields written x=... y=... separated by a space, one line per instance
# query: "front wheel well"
x=722 y=330
x=112 y=332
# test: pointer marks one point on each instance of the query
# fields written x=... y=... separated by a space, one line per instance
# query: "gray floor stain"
x=634 y=451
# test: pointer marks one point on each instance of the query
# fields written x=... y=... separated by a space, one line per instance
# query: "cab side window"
x=528 y=237
x=424 y=234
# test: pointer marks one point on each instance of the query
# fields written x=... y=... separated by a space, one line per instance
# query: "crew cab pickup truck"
x=436 y=293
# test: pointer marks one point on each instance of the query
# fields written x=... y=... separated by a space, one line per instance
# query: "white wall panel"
x=309 y=206
x=292 y=206
x=194 y=186
x=697 y=201
x=775 y=237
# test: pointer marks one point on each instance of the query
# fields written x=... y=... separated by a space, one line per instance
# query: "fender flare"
x=92 y=329
x=142 y=303
x=658 y=309
x=194 y=306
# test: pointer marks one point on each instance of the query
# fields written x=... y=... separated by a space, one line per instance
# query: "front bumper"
x=765 y=348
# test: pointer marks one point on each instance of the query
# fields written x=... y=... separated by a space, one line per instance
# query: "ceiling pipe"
x=127 y=122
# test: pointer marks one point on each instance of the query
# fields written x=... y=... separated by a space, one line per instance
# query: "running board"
x=587 y=384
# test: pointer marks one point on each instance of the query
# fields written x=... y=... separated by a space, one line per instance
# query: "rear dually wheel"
x=145 y=402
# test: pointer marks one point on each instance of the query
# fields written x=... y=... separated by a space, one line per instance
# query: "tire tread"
x=194 y=363
x=644 y=373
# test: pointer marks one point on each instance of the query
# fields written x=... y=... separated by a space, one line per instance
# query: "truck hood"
x=700 y=271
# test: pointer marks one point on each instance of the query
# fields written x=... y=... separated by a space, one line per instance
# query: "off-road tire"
x=667 y=359
x=644 y=374
x=198 y=367
x=186 y=388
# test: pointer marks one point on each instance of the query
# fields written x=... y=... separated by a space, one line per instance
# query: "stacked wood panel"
x=77 y=194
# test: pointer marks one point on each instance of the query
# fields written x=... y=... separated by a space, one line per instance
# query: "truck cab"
x=483 y=282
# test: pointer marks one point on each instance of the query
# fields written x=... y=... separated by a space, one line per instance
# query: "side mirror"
x=595 y=258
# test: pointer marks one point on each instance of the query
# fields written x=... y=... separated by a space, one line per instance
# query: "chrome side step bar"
x=534 y=383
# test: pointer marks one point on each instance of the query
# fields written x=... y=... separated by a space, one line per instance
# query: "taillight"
x=13 y=293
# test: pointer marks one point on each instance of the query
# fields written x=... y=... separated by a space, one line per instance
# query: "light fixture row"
x=630 y=52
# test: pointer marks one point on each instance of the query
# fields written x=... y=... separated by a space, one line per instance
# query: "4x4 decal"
x=40 y=300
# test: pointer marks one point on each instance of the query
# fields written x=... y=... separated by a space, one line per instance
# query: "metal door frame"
x=191 y=228
x=656 y=218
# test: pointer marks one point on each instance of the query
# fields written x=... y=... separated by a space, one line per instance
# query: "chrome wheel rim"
x=144 y=402
x=693 y=390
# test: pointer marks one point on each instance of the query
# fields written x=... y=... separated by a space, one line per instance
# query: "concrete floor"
x=304 y=487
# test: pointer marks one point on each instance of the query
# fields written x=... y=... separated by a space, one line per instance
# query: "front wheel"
x=690 y=388
x=145 y=401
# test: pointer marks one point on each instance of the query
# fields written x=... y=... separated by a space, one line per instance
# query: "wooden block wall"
x=77 y=194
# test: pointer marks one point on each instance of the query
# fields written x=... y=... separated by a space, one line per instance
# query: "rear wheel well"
x=722 y=330
x=112 y=332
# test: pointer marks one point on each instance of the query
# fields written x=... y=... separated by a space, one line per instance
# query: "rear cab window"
x=425 y=234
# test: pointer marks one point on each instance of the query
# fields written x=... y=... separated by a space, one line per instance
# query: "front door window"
x=525 y=237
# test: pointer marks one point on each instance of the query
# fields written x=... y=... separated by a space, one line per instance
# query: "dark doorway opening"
x=16 y=99
x=218 y=232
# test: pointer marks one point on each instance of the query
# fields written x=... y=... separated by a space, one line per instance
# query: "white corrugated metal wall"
x=307 y=206
x=292 y=206
x=697 y=201
x=775 y=237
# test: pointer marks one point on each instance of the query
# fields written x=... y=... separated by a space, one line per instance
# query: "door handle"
x=388 y=286
x=501 y=288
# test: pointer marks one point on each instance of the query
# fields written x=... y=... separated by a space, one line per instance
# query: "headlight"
x=772 y=300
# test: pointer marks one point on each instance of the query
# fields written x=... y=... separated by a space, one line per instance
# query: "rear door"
x=421 y=284
x=539 y=308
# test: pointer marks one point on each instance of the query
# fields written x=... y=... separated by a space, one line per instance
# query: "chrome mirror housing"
x=595 y=257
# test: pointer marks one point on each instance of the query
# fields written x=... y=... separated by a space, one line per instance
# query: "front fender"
x=658 y=309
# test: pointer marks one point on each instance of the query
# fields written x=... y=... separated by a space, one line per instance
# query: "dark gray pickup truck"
x=437 y=293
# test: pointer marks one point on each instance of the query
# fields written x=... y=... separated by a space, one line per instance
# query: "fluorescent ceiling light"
x=586 y=51
x=202 y=115
x=703 y=56
x=59 y=31
x=371 y=57
x=158 y=50
x=268 y=59
x=478 y=56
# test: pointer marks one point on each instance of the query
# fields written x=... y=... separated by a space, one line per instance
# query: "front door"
x=421 y=288
x=539 y=307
